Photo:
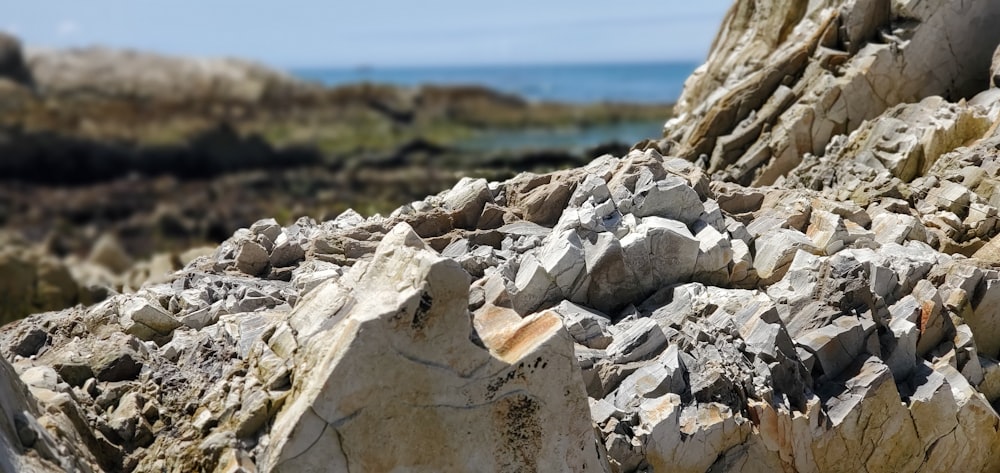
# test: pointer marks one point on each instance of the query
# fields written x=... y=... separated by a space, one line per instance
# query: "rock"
x=670 y=198
x=74 y=371
x=24 y=443
x=664 y=375
x=31 y=282
x=108 y=252
x=836 y=346
x=121 y=364
x=776 y=249
x=782 y=283
x=466 y=201
x=286 y=252
x=251 y=258
x=664 y=250
x=12 y=63
x=636 y=341
x=31 y=342
x=984 y=320
x=529 y=388
x=587 y=328
x=995 y=69
x=146 y=320
x=267 y=227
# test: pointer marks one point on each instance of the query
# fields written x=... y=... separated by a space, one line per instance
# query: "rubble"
x=842 y=319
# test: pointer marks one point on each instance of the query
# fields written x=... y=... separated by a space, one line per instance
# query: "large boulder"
x=397 y=383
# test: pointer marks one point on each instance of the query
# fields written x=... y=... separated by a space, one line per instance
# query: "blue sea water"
x=576 y=83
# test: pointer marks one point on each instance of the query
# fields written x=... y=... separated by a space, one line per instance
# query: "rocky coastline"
x=162 y=154
x=802 y=275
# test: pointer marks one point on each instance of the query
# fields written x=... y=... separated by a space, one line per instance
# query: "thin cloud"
x=67 y=28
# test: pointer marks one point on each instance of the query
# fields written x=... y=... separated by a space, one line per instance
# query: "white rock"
x=670 y=198
x=776 y=249
x=145 y=319
x=449 y=404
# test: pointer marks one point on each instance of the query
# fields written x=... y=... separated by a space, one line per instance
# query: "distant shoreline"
x=626 y=82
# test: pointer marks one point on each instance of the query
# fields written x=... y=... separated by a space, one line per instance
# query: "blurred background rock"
x=115 y=163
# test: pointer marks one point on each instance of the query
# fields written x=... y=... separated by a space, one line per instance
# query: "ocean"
x=647 y=83
x=659 y=82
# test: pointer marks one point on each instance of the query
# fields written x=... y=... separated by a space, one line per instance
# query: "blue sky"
x=310 y=33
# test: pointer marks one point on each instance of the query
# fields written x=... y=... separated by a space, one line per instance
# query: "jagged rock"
x=759 y=76
x=587 y=328
x=670 y=198
x=776 y=249
x=526 y=395
x=984 y=320
x=251 y=258
x=832 y=322
x=146 y=320
x=466 y=201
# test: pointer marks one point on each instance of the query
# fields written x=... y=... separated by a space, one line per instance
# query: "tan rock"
x=517 y=404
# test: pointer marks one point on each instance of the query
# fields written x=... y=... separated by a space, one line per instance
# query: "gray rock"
x=665 y=374
x=836 y=346
x=251 y=257
x=587 y=327
x=30 y=342
x=635 y=341
x=775 y=250
x=146 y=319
x=74 y=371
x=466 y=201
x=670 y=198
x=267 y=227
x=984 y=319
x=122 y=364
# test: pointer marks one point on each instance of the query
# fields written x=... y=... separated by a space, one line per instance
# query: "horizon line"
x=487 y=65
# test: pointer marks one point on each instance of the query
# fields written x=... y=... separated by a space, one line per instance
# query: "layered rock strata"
x=843 y=320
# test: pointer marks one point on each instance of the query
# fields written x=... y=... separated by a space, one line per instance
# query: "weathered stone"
x=670 y=198
x=984 y=320
x=636 y=341
x=512 y=408
x=251 y=258
x=286 y=252
x=466 y=201
x=30 y=342
x=664 y=375
x=776 y=249
x=108 y=252
x=116 y=365
x=74 y=371
x=587 y=327
x=145 y=319
x=836 y=346
x=267 y=227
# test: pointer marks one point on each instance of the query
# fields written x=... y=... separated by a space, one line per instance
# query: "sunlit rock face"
x=784 y=77
x=657 y=311
x=400 y=368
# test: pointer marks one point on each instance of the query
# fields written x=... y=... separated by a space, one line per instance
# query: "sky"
x=350 y=33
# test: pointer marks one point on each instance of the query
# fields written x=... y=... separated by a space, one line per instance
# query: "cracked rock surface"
x=819 y=292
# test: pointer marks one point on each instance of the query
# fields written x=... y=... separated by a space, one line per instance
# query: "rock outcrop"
x=844 y=319
x=785 y=77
